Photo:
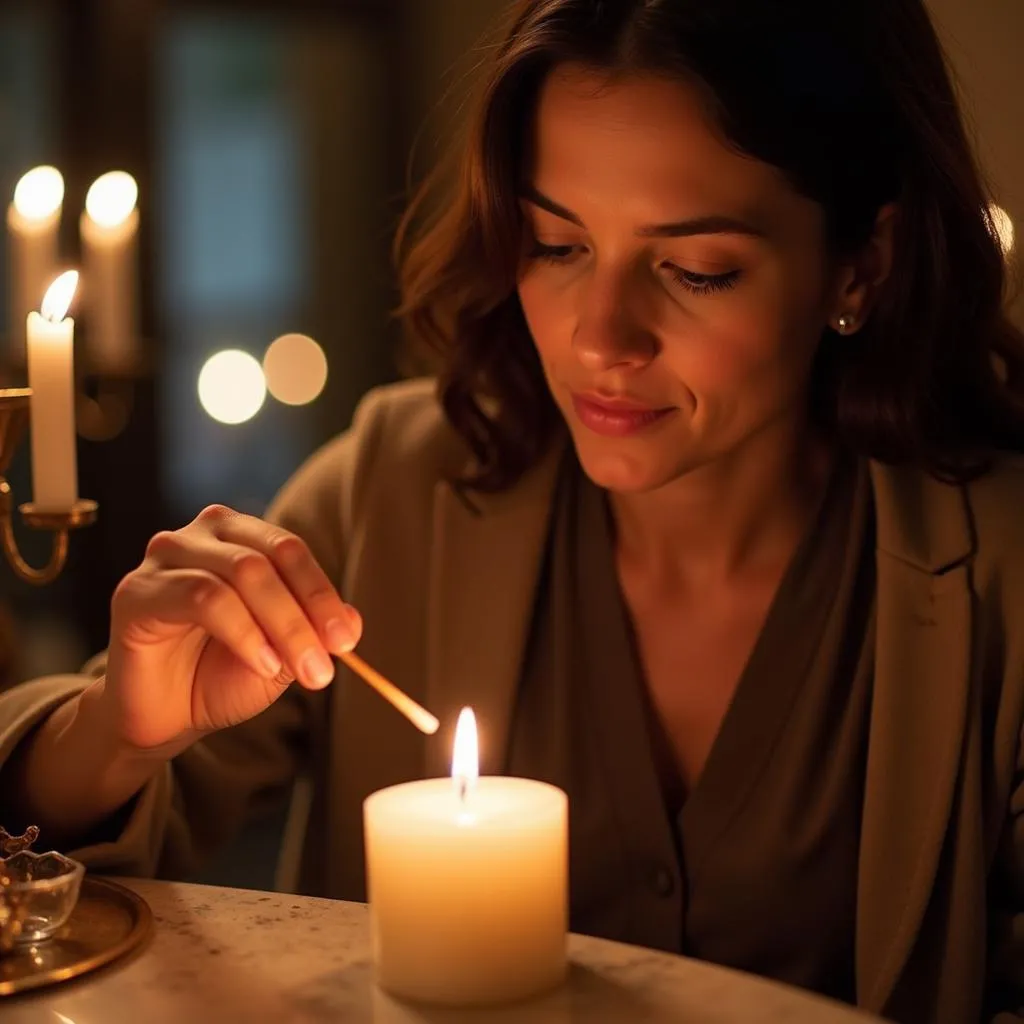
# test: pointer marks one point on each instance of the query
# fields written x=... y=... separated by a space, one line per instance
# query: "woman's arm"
x=164 y=812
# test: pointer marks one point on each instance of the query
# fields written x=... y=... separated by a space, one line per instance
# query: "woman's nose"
x=609 y=331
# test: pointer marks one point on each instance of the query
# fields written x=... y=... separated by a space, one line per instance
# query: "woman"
x=761 y=617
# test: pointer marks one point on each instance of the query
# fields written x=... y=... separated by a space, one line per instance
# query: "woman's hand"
x=213 y=626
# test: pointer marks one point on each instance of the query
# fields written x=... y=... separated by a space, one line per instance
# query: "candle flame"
x=57 y=300
x=111 y=198
x=465 y=757
x=40 y=193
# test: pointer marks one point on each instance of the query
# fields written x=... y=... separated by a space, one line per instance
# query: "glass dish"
x=38 y=891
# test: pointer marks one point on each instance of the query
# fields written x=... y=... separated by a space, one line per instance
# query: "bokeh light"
x=232 y=387
x=295 y=368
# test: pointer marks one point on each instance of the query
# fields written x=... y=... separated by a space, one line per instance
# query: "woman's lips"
x=615 y=418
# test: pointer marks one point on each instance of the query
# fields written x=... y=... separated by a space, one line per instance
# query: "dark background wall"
x=271 y=143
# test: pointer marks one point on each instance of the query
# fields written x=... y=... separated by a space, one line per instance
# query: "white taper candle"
x=51 y=375
x=110 y=230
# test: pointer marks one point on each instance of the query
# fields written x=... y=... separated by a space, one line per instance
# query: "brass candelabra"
x=14 y=417
x=105 y=400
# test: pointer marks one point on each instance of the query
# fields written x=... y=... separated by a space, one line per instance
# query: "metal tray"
x=108 y=922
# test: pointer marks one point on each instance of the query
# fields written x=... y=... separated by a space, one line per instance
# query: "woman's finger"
x=196 y=597
x=266 y=595
x=337 y=623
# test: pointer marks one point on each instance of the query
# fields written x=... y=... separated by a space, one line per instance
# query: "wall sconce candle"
x=33 y=222
x=110 y=229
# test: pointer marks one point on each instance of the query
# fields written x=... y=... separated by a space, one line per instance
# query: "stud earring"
x=846 y=323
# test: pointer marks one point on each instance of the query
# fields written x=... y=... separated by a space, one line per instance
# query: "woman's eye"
x=697 y=284
x=703 y=284
x=551 y=253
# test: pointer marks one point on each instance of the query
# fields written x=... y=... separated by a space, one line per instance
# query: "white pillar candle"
x=468 y=883
x=110 y=230
x=33 y=223
x=51 y=376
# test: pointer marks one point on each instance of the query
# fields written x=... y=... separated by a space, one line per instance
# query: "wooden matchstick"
x=418 y=715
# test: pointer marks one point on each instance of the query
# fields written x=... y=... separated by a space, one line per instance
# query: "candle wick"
x=463 y=787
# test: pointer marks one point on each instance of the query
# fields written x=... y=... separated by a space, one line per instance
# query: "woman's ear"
x=861 y=278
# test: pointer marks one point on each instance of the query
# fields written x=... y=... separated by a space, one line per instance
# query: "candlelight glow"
x=232 y=388
x=466 y=758
x=40 y=193
x=112 y=198
x=1003 y=225
x=57 y=300
x=296 y=369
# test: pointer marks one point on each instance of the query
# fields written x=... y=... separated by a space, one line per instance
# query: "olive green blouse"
x=757 y=869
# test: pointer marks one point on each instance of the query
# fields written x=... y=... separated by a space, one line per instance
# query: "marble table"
x=227 y=955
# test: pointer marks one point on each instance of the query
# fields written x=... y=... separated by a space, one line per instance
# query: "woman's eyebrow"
x=709 y=224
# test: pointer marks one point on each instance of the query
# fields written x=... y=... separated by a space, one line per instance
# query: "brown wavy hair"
x=853 y=101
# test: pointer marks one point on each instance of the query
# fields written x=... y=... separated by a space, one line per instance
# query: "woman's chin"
x=624 y=472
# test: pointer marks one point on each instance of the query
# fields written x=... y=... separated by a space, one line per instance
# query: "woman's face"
x=676 y=291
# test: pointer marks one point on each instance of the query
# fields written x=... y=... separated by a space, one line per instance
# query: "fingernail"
x=339 y=636
x=269 y=661
x=316 y=668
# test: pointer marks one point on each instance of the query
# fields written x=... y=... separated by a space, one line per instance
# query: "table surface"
x=225 y=955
